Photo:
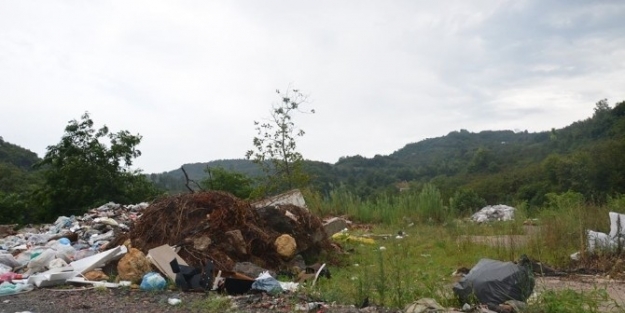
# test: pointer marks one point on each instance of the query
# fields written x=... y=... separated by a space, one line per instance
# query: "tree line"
x=90 y=166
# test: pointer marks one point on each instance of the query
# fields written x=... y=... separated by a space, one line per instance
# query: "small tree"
x=235 y=183
x=275 y=145
x=81 y=171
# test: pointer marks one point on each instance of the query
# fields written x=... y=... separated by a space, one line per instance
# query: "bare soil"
x=127 y=300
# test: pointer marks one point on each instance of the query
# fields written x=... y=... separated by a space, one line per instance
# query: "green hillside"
x=501 y=166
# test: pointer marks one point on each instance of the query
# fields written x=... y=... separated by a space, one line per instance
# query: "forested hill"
x=501 y=166
x=15 y=167
x=16 y=155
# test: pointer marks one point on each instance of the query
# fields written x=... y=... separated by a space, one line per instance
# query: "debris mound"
x=216 y=226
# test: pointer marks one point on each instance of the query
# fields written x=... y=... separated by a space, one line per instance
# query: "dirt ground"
x=134 y=301
x=47 y=300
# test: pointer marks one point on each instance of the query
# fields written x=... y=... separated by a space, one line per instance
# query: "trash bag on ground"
x=494 y=282
x=153 y=281
x=267 y=283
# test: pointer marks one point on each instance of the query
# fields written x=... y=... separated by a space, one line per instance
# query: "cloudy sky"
x=192 y=76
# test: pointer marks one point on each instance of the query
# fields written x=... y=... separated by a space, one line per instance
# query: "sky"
x=191 y=77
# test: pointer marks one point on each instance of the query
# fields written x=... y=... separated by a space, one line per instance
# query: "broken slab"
x=53 y=277
x=99 y=260
x=82 y=280
x=335 y=225
x=294 y=197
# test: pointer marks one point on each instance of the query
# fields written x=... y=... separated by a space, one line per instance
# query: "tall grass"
x=420 y=264
x=425 y=205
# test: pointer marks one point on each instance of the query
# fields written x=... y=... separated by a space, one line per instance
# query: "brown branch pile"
x=185 y=219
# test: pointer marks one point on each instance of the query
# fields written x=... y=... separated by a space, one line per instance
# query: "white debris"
x=597 y=240
x=493 y=213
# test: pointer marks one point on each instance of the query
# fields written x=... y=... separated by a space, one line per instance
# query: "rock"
x=133 y=266
x=334 y=225
x=250 y=269
x=96 y=276
x=235 y=238
x=285 y=246
x=202 y=243
x=297 y=264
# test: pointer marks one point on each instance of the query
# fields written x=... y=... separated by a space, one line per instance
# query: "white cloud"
x=192 y=76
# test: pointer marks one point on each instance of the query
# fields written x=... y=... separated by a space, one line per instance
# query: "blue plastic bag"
x=153 y=281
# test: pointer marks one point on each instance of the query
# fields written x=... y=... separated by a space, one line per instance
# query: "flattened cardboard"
x=162 y=256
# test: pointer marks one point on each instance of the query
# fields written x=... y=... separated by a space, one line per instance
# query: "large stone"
x=235 y=238
x=285 y=246
x=133 y=266
x=250 y=269
x=202 y=243
x=334 y=225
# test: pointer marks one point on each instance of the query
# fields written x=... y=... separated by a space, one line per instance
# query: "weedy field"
x=397 y=270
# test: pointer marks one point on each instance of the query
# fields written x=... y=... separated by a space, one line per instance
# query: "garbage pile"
x=218 y=227
x=71 y=246
x=494 y=213
x=187 y=238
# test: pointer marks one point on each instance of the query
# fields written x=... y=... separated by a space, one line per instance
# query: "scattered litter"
x=174 y=301
x=424 y=305
x=345 y=237
x=311 y=307
x=494 y=213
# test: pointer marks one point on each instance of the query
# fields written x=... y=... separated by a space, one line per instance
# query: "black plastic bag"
x=190 y=278
x=494 y=282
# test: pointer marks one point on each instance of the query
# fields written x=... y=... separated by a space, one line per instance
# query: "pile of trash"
x=494 y=213
x=201 y=241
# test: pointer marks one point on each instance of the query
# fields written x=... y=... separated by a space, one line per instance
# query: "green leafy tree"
x=235 y=183
x=466 y=201
x=275 y=146
x=81 y=171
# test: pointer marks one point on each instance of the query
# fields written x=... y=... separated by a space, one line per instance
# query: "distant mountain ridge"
x=500 y=165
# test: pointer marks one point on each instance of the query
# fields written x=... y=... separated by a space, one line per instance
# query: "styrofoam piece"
x=82 y=280
x=98 y=260
x=55 y=276
x=617 y=224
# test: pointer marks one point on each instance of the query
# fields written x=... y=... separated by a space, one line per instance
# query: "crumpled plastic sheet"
x=153 y=281
x=7 y=288
x=267 y=283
